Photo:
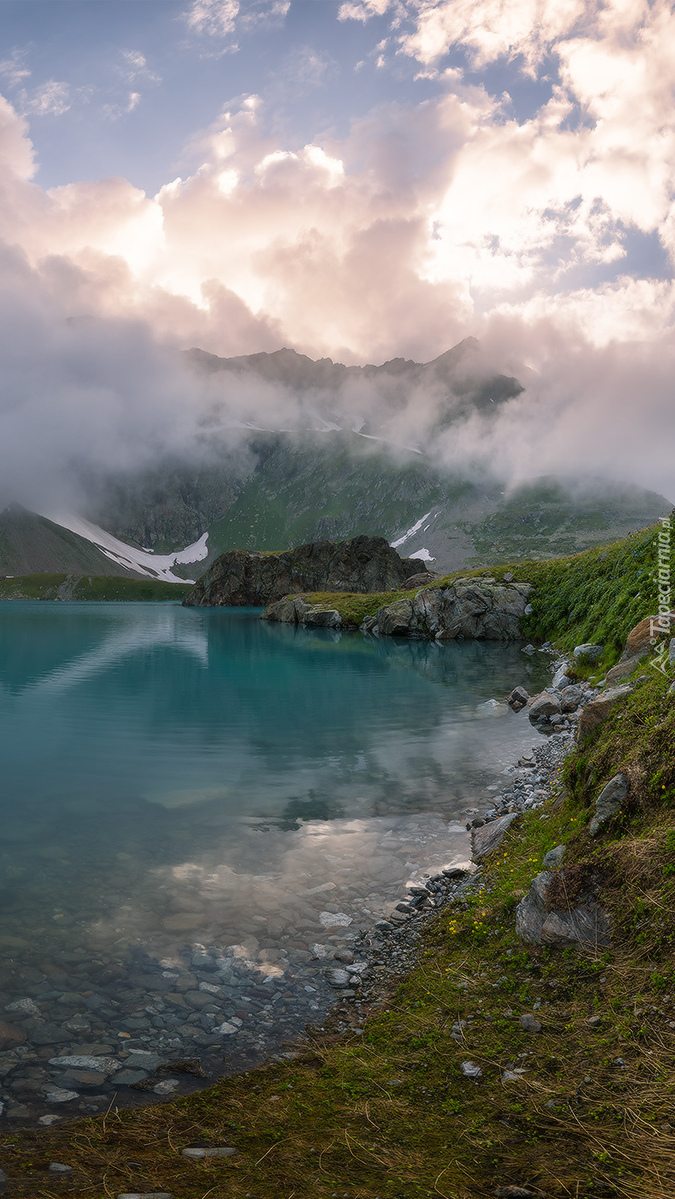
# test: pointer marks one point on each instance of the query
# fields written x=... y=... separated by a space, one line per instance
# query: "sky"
x=359 y=179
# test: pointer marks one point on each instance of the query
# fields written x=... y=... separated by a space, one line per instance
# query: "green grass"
x=89 y=587
x=598 y=595
x=388 y=1114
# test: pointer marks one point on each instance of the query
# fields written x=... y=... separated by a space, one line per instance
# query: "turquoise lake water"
x=195 y=794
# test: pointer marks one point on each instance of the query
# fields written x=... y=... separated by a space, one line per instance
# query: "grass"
x=598 y=595
x=388 y=1113
x=89 y=587
x=385 y=1112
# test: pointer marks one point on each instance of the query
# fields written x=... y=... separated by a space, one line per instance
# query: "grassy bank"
x=89 y=587
x=597 y=595
x=584 y=1108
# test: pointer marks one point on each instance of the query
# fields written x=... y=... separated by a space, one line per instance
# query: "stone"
x=485 y=840
x=129 y=1078
x=543 y=706
x=571 y=697
x=105 y=1065
x=334 y=919
x=47 y=1120
x=59 y=1096
x=59 y=1168
x=48 y=1034
x=143 y=1059
x=608 y=802
x=10 y=1034
x=83 y=1080
x=588 y=652
x=518 y=698
x=587 y=924
x=594 y=1021
x=475 y=608
x=595 y=713
x=360 y=564
x=554 y=857
x=638 y=645
x=471 y=1070
x=338 y=978
x=226 y=1029
x=145 y=1195
x=530 y=1023
x=560 y=678
x=24 y=1007
x=167 y=1086
x=528 y=649
x=419 y=580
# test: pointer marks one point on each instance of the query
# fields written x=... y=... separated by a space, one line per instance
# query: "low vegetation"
x=584 y=1108
x=89 y=587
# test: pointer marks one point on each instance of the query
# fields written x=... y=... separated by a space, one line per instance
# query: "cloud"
x=14 y=68
x=550 y=236
x=51 y=99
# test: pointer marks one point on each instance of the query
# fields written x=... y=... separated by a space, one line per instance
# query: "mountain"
x=334 y=475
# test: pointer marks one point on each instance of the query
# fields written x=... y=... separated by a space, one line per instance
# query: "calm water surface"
x=198 y=808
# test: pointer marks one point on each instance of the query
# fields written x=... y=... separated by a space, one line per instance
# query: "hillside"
x=30 y=543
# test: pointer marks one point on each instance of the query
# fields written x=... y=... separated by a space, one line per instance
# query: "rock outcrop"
x=240 y=578
x=595 y=713
x=474 y=608
x=540 y=924
x=638 y=646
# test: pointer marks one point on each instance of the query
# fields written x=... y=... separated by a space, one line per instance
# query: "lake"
x=198 y=809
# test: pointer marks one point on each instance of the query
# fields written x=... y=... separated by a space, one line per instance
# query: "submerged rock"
x=242 y=577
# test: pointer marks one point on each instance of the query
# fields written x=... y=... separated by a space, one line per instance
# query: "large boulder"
x=477 y=608
x=595 y=713
x=243 y=578
x=638 y=646
x=608 y=802
x=296 y=610
x=539 y=924
x=544 y=706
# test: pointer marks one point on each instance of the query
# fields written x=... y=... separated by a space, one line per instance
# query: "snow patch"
x=154 y=566
x=423 y=554
x=411 y=533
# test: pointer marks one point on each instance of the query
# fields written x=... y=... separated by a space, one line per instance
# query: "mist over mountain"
x=278 y=449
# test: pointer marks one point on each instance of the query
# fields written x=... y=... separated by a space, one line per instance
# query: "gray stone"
x=485 y=840
x=27 y=1007
x=530 y=1023
x=59 y=1168
x=528 y=649
x=48 y=1034
x=518 y=698
x=59 y=1096
x=471 y=608
x=588 y=652
x=226 y=1029
x=145 y=1195
x=608 y=802
x=543 y=706
x=560 y=678
x=143 y=1059
x=554 y=857
x=338 y=978
x=106 y=1065
x=167 y=1086
x=571 y=697
x=471 y=1070
x=587 y=924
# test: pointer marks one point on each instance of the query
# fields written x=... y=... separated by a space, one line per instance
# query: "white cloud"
x=14 y=68
x=51 y=99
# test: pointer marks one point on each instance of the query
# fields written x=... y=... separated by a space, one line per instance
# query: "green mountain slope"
x=30 y=543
